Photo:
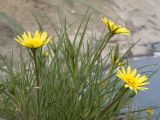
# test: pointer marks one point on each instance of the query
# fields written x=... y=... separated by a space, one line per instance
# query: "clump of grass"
x=67 y=81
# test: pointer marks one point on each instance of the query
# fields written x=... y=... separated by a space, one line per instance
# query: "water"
x=151 y=97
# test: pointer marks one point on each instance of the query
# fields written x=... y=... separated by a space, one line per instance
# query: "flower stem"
x=113 y=102
x=37 y=82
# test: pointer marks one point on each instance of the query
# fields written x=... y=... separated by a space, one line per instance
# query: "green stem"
x=37 y=82
x=114 y=101
x=16 y=102
x=100 y=48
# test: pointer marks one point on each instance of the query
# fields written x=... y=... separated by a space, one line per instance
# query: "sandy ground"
x=140 y=16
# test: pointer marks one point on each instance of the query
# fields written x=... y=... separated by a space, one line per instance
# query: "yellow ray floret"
x=132 y=81
x=114 y=29
x=38 y=40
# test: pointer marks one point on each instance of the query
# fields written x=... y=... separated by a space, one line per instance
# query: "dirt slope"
x=141 y=16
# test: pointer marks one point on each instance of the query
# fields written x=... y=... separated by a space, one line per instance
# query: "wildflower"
x=45 y=54
x=132 y=81
x=149 y=111
x=37 y=41
x=114 y=29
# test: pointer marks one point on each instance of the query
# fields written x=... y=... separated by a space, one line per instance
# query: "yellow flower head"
x=114 y=29
x=149 y=111
x=132 y=81
x=37 y=41
x=45 y=54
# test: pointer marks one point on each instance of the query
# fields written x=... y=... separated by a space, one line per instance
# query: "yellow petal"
x=24 y=36
x=122 y=30
x=44 y=36
x=134 y=72
x=29 y=35
x=129 y=70
x=37 y=35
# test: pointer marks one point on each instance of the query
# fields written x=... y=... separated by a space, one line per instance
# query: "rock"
x=141 y=51
x=156 y=47
x=142 y=18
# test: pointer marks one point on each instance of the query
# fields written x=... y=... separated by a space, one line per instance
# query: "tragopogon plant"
x=67 y=80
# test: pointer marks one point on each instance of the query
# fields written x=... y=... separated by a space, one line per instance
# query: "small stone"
x=73 y=11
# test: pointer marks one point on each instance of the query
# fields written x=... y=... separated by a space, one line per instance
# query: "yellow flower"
x=37 y=41
x=114 y=29
x=45 y=54
x=149 y=111
x=132 y=81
